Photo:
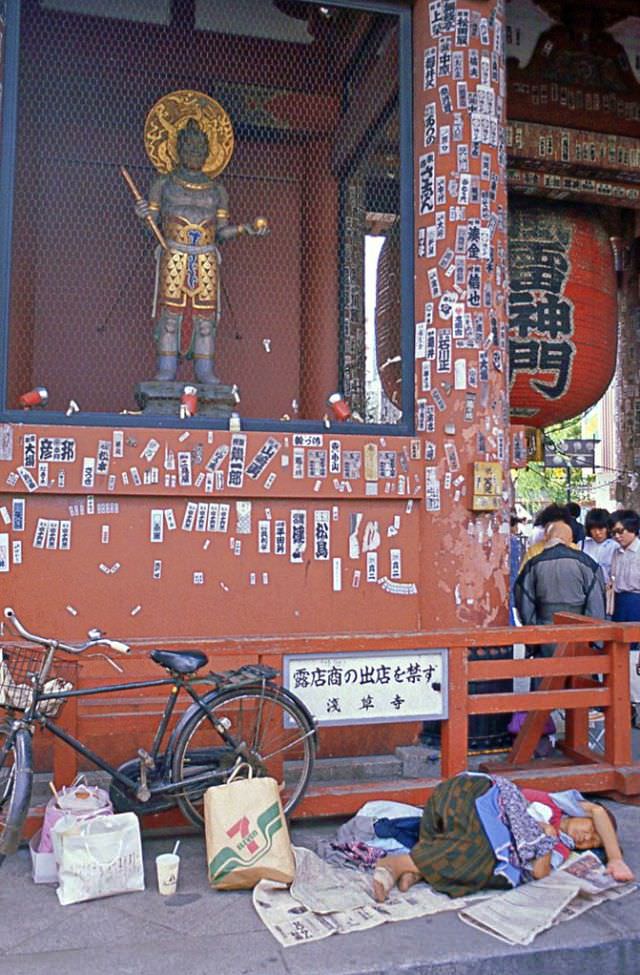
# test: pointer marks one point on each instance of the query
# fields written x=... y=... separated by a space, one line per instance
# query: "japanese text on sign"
x=371 y=688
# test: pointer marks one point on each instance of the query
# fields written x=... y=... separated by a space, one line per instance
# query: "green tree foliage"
x=537 y=485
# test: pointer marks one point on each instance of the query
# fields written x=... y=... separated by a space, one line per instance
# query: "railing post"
x=617 y=723
x=576 y=734
x=455 y=730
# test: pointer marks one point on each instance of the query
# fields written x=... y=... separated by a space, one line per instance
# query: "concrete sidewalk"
x=202 y=931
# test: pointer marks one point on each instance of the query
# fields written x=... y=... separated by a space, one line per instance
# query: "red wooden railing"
x=577 y=679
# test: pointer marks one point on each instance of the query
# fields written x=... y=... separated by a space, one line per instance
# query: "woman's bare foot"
x=383 y=881
x=407 y=880
x=389 y=871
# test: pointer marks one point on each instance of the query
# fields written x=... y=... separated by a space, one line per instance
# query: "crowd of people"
x=593 y=570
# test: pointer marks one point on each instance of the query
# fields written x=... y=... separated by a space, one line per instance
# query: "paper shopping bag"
x=98 y=857
x=246 y=834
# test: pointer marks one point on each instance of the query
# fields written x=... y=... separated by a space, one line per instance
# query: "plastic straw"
x=175 y=849
x=55 y=792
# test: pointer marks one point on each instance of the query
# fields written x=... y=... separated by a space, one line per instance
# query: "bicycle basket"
x=18 y=665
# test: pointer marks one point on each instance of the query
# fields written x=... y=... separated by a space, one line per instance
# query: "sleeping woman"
x=478 y=832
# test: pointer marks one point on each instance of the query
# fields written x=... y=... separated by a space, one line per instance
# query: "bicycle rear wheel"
x=278 y=734
x=16 y=779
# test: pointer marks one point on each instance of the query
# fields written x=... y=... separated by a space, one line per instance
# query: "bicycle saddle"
x=180 y=661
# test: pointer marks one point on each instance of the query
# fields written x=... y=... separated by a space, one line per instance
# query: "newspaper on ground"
x=519 y=915
x=325 y=900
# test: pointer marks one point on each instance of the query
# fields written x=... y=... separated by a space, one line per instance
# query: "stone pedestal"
x=163 y=398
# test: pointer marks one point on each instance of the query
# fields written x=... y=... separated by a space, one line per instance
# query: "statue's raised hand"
x=259 y=227
x=142 y=209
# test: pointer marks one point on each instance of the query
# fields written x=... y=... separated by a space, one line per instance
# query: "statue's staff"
x=137 y=195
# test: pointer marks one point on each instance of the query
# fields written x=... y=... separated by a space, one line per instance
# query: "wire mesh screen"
x=312 y=94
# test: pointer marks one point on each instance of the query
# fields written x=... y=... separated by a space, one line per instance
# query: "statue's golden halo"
x=171 y=113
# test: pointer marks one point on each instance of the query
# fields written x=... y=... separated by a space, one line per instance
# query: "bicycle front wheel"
x=16 y=779
x=269 y=729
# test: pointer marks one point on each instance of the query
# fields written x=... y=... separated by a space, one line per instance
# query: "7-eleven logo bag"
x=246 y=833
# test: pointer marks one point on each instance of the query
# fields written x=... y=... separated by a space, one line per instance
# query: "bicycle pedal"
x=146 y=759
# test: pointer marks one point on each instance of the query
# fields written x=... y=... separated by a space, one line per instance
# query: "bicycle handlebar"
x=116 y=645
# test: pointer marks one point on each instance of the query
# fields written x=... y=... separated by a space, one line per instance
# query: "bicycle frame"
x=162 y=788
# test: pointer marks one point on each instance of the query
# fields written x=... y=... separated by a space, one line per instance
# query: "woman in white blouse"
x=625 y=582
x=597 y=542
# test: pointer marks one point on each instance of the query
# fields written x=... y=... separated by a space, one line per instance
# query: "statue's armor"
x=188 y=270
x=190 y=214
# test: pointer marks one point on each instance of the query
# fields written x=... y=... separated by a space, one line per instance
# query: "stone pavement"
x=202 y=931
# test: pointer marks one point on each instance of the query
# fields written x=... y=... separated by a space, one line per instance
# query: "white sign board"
x=358 y=688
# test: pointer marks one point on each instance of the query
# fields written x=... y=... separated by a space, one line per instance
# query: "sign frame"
x=436 y=657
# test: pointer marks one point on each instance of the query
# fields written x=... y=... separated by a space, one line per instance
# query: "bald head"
x=557 y=531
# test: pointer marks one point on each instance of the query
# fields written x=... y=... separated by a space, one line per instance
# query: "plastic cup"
x=167 y=867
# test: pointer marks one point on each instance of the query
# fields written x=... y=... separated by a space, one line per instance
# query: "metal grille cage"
x=17 y=668
x=312 y=92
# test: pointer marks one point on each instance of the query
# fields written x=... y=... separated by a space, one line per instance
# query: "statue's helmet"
x=192 y=140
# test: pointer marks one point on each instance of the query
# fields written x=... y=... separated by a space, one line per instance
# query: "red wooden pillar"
x=461 y=305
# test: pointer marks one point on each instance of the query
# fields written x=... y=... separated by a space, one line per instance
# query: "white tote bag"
x=98 y=857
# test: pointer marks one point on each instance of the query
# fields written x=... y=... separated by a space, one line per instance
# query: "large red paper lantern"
x=562 y=311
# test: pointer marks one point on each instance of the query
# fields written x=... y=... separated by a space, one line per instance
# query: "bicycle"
x=240 y=717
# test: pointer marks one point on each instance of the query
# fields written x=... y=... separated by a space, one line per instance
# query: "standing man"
x=560 y=579
x=552 y=513
x=625 y=586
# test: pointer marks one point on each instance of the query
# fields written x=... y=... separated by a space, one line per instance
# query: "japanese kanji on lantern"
x=562 y=311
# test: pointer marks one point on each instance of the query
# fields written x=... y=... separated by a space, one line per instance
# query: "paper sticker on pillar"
x=29 y=482
x=298 y=521
x=5 y=563
x=235 y=472
x=217 y=458
x=321 y=535
x=103 y=457
x=487 y=486
x=60 y=450
x=427 y=177
x=266 y=454
x=443 y=356
x=29 y=450
x=432 y=489
x=430 y=124
x=18 y=510
x=243 y=517
x=372 y=567
x=316 y=463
